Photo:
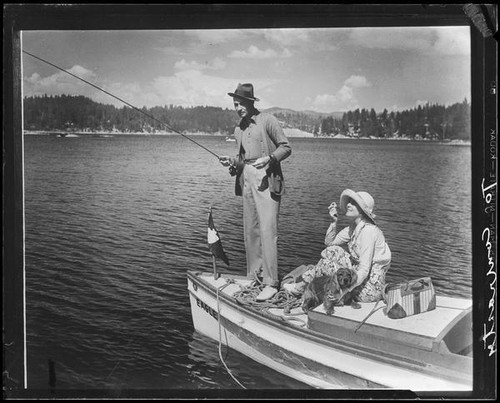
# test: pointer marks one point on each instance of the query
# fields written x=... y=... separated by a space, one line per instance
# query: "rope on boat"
x=283 y=299
x=220 y=333
x=247 y=296
x=369 y=314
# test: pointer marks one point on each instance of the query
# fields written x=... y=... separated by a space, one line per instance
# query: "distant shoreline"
x=291 y=133
x=105 y=133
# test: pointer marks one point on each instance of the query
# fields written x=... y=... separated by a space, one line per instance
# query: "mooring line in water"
x=220 y=336
x=121 y=100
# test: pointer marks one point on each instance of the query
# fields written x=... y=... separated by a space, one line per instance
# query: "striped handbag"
x=409 y=298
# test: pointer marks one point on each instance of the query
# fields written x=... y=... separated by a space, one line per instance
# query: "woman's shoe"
x=294 y=288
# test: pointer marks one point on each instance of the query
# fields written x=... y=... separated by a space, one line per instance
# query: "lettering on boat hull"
x=206 y=308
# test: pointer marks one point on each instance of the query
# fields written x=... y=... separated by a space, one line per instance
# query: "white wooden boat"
x=431 y=351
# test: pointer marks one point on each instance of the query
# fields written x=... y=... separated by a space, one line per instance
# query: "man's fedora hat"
x=244 y=91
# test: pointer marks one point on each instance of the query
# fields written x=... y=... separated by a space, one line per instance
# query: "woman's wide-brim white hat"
x=363 y=199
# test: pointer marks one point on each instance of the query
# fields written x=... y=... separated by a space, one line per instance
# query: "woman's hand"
x=332 y=210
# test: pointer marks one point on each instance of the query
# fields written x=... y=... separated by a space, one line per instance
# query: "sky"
x=305 y=69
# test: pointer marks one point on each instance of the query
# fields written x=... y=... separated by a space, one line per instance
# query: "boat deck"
x=427 y=327
x=428 y=351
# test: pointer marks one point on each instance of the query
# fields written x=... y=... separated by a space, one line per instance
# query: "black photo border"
x=484 y=54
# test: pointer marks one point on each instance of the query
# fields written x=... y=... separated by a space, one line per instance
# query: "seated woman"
x=360 y=246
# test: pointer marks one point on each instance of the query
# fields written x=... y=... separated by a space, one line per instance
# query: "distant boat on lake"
x=67 y=135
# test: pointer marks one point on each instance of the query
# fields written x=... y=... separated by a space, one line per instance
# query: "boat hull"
x=309 y=356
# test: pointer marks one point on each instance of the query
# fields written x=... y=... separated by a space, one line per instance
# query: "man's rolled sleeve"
x=277 y=135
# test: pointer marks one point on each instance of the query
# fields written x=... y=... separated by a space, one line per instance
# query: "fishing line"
x=220 y=336
x=125 y=102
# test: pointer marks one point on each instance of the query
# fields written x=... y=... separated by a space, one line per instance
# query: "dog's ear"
x=354 y=277
x=334 y=280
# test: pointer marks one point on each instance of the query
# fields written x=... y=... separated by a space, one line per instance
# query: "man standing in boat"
x=261 y=145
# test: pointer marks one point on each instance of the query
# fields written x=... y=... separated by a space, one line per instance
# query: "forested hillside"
x=428 y=121
x=78 y=113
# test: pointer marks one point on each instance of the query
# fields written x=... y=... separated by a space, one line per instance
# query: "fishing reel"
x=232 y=170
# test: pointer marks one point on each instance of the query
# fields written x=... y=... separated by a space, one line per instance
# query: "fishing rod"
x=125 y=102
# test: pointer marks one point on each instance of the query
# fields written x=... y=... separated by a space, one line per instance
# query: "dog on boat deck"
x=330 y=290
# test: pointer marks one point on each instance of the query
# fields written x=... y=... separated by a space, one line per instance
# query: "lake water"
x=113 y=224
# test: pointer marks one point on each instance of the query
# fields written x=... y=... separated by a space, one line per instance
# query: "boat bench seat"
x=435 y=330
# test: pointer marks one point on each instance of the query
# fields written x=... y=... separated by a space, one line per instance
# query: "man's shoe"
x=267 y=293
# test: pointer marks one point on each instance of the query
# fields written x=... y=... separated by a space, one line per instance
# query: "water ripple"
x=113 y=226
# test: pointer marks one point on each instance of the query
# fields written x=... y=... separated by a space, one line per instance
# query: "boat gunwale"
x=367 y=352
x=440 y=337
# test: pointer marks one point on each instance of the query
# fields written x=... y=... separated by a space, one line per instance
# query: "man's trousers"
x=260 y=224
